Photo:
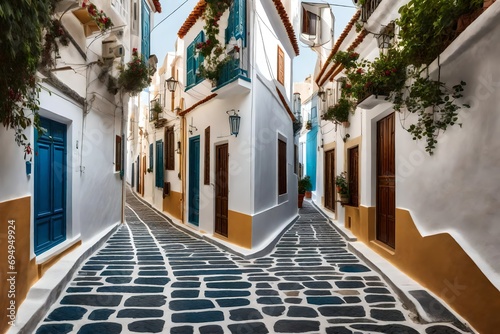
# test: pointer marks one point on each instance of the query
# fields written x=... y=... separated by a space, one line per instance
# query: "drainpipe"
x=124 y=160
x=183 y=167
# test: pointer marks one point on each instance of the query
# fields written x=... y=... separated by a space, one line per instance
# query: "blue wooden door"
x=194 y=181
x=50 y=186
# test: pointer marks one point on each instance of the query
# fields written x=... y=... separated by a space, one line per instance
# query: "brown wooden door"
x=221 y=189
x=142 y=174
x=330 y=180
x=386 y=188
x=353 y=174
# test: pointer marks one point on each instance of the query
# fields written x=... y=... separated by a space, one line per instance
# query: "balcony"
x=368 y=8
x=232 y=79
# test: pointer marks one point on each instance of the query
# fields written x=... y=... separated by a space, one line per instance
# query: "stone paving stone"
x=101 y=327
x=290 y=286
x=293 y=300
x=222 y=278
x=263 y=286
x=78 y=279
x=317 y=293
x=147 y=326
x=269 y=300
x=249 y=327
x=342 y=311
x=139 y=313
x=152 y=280
x=349 y=284
x=351 y=321
x=186 y=285
x=118 y=280
x=296 y=326
x=153 y=273
x=318 y=285
x=55 y=329
x=190 y=304
x=244 y=314
x=116 y=273
x=78 y=289
x=101 y=314
x=302 y=311
x=130 y=289
x=440 y=329
x=379 y=298
x=267 y=292
x=386 y=329
x=229 y=285
x=232 y=302
x=325 y=300
x=353 y=268
x=338 y=330
x=377 y=290
x=146 y=301
x=197 y=317
x=352 y=300
x=67 y=313
x=92 y=300
x=226 y=293
x=387 y=315
x=274 y=311
x=211 y=329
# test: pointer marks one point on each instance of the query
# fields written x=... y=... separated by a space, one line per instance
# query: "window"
x=353 y=156
x=159 y=164
x=135 y=18
x=308 y=22
x=118 y=153
x=170 y=148
x=281 y=66
x=121 y=7
x=145 y=30
x=236 y=22
x=206 y=176
x=193 y=61
x=281 y=167
x=295 y=158
x=151 y=156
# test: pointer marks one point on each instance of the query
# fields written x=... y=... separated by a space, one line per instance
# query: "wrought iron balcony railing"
x=230 y=72
x=368 y=8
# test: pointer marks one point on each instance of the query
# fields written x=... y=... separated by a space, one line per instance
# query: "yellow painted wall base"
x=17 y=210
x=239 y=229
x=172 y=204
x=43 y=267
x=438 y=263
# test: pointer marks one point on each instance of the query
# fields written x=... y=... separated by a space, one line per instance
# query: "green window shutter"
x=151 y=156
x=190 y=62
x=236 y=24
x=199 y=58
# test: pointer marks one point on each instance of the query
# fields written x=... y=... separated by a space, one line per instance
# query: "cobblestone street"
x=151 y=277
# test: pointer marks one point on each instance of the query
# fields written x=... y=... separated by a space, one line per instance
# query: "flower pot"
x=300 y=200
x=344 y=199
x=308 y=194
x=487 y=3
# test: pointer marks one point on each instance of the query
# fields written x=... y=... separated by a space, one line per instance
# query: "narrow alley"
x=151 y=277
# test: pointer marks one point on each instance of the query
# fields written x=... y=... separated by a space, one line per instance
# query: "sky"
x=164 y=33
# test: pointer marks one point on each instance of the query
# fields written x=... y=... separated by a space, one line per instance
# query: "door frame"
x=333 y=191
x=216 y=179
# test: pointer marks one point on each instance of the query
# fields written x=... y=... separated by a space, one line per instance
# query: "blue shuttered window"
x=151 y=156
x=159 y=164
x=146 y=17
x=236 y=23
x=193 y=61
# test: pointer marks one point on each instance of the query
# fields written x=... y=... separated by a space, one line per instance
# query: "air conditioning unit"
x=118 y=51
x=107 y=48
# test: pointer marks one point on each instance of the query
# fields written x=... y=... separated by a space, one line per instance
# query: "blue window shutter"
x=145 y=30
x=159 y=164
x=236 y=24
x=151 y=156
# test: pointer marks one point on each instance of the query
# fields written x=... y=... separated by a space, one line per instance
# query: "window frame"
x=282 y=167
x=281 y=66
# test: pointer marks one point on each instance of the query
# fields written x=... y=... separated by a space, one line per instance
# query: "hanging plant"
x=346 y=58
x=135 y=76
x=339 y=112
x=55 y=33
x=212 y=50
x=98 y=16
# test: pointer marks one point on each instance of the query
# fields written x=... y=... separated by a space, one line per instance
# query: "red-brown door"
x=221 y=189
x=386 y=188
x=330 y=180
x=353 y=175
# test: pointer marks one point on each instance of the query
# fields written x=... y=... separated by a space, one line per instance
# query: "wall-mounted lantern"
x=234 y=122
x=171 y=84
x=385 y=37
x=322 y=94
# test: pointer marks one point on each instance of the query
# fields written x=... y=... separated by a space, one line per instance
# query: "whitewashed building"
x=433 y=216
x=71 y=195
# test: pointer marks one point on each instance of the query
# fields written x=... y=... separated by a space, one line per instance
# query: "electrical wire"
x=182 y=4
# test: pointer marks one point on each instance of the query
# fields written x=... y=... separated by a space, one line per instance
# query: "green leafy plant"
x=427 y=27
x=55 y=34
x=346 y=58
x=309 y=125
x=212 y=50
x=304 y=184
x=341 y=183
x=435 y=106
x=157 y=108
x=135 y=76
x=22 y=24
x=339 y=112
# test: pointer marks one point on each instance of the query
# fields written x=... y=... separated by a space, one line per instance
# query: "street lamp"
x=171 y=84
x=234 y=122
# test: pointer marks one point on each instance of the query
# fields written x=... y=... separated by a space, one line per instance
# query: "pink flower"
x=359 y=70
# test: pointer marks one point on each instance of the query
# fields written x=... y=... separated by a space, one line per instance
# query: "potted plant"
x=135 y=76
x=309 y=125
x=339 y=113
x=342 y=187
x=346 y=58
x=304 y=185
